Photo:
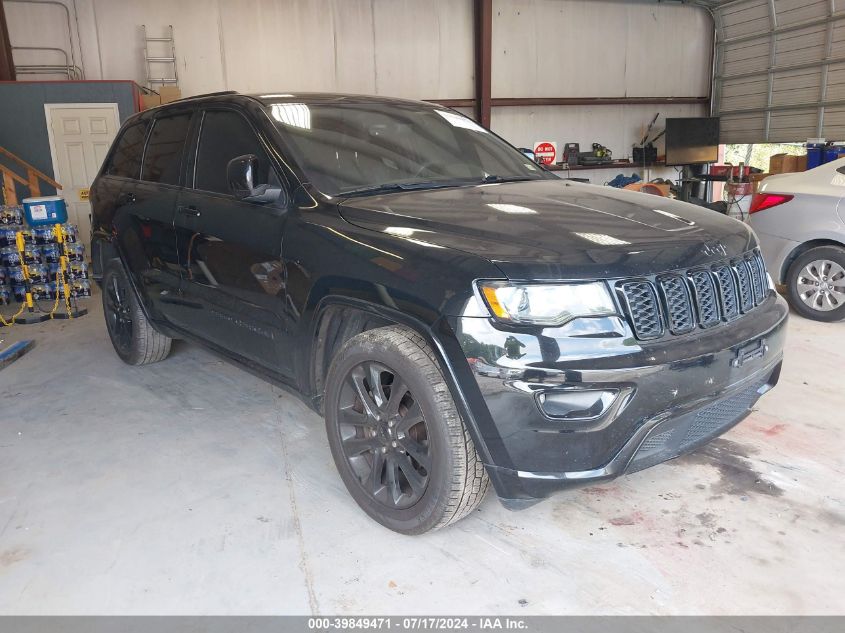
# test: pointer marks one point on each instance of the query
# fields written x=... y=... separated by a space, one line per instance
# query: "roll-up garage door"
x=779 y=70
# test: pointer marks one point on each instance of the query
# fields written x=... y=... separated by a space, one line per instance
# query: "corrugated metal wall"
x=780 y=70
x=413 y=48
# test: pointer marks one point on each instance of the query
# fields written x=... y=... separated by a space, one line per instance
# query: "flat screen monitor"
x=692 y=141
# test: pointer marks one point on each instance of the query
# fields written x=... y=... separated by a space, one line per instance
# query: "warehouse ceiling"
x=779 y=69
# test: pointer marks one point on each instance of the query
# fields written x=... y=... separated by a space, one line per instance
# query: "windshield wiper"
x=403 y=186
x=495 y=178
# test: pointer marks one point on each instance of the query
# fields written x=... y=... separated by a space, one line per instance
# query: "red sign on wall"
x=545 y=152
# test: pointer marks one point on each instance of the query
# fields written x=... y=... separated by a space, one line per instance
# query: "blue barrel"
x=830 y=153
x=45 y=210
x=815 y=155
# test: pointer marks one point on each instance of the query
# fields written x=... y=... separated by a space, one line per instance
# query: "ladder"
x=151 y=61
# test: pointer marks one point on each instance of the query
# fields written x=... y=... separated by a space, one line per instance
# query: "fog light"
x=576 y=404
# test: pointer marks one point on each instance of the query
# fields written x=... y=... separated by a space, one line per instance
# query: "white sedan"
x=800 y=221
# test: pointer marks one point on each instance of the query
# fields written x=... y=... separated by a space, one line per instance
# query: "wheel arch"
x=803 y=248
x=110 y=252
x=339 y=318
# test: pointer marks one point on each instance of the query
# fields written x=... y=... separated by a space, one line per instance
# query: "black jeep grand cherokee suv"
x=457 y=314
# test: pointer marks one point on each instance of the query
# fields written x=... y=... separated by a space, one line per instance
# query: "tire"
x=815 y=284
x=133 y=338
x=415 y=468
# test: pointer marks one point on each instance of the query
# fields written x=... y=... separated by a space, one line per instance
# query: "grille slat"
x=705 y=298
x=695 y=298
x=676 y=299
x=743 y=280
x=727 y=292
x=756 y=278
x=643 y=309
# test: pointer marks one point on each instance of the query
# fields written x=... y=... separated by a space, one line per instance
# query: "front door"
x=80 y=136
x=230 y=250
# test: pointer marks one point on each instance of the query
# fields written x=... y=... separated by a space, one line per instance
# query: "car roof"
x=308 y=98
x=314 y=98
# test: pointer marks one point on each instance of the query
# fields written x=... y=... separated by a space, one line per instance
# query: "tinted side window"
x=226 y=135
x=126 y=159
x=163 y=157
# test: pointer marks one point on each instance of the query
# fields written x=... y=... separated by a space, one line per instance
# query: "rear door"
x=144 y=219
x=230 y=250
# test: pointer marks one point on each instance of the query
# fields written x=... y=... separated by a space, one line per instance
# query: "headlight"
x=545 y=304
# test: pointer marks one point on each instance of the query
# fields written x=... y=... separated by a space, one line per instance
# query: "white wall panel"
x=585 y=48
x=410 y=48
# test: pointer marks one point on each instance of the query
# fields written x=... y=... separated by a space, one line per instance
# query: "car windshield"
x=355 y=148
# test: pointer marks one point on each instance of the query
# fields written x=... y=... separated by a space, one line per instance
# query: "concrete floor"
x=191 y=487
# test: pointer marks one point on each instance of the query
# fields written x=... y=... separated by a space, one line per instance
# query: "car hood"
x=556 y=229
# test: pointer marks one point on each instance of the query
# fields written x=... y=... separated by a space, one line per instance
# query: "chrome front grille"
x=699 y=297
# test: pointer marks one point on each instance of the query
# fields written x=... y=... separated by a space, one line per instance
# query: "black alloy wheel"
x=383 y=435
x=119 y=312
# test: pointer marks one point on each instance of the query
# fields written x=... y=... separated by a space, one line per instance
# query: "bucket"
x=45 y=210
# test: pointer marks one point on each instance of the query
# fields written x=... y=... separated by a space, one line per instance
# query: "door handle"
x=190 y=211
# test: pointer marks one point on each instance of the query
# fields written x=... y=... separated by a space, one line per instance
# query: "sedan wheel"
x=815 y=283
x=821 y=285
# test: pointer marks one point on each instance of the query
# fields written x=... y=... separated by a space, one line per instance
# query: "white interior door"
x=80 y=137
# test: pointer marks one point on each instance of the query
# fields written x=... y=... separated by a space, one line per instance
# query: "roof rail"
x=210 y=94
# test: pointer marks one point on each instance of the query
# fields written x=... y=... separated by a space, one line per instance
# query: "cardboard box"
x=756 y=179
x=169 y=93
x=786 y=163
x=150 y=101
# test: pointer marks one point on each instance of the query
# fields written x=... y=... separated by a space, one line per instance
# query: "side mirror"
x=240 y=172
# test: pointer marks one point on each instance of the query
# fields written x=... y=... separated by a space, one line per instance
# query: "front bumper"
x=668 y=398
